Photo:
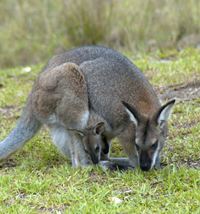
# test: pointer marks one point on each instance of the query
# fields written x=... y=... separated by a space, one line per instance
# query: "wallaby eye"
x=97 y=149
x=155 y=145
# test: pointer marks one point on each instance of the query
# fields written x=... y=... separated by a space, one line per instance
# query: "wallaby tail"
x=26 y=128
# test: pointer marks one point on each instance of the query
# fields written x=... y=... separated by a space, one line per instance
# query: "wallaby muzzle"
x=145 y=161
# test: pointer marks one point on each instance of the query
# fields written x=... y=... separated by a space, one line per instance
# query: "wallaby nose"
x=145 y=167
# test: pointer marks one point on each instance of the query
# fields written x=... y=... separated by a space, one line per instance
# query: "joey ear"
x=133 y=113
x=78 y=132
x=164 y=113
x=99 y=128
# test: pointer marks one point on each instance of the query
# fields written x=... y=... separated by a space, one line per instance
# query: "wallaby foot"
x=121 y=161
x=112 y=166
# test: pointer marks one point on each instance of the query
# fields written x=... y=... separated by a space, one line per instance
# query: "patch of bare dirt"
x=190 y=164
x=10 y=163
x=181 y=92
x=10 y=110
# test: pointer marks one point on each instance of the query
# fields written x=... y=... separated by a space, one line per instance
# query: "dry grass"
x=32 y=31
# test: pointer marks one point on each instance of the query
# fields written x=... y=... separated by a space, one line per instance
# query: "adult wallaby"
x=59 y=99
x=141 y=123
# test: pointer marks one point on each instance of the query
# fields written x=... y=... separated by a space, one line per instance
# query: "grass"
x=38 y=179
x=31 y=32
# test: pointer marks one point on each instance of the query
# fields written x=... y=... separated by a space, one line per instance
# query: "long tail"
x=26 y=128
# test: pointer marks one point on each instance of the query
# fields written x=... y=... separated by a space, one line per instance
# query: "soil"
x=181 y=92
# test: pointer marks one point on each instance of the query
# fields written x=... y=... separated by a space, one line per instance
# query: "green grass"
x=38 y=179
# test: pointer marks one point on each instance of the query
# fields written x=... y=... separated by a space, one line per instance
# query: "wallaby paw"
x=123 y=168
x=114 y=167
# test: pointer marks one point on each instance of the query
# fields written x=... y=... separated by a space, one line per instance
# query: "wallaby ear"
x=78 y=132
x=133 y=113
x=165 y=113
x=99 y=128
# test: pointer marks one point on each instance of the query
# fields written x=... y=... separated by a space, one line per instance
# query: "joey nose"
x=95 y=160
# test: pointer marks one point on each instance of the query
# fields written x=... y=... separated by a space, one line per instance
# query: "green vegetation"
x=162 y=39
x=32 y=31
x=40 y=180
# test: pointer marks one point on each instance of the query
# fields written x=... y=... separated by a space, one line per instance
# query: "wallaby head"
x=150 y=133
x=92 y=141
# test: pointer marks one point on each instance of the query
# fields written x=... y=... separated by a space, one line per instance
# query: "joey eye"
x=155 y=145
x=97 y=149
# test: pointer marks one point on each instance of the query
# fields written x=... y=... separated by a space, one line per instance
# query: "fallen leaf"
x=116 y=200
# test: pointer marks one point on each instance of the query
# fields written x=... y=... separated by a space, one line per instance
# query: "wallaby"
x=59 y=99
x=139 y=122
